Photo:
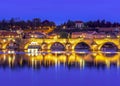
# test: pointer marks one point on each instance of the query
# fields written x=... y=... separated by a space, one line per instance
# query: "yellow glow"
x=73 y=42
x=63 y=58
x=118 y=36
x=4 y=40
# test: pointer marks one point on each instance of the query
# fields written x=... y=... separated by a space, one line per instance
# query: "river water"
x=91 y=69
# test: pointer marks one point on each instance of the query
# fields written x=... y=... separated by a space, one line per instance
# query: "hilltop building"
x=79 y=24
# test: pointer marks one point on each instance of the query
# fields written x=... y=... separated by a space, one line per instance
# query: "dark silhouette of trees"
x=36 y=23
x=48 y=23
x=4 y=24
x=101 y=23
x=68 y=24
x=28 y=24
x=63 y=35
x=91 y=24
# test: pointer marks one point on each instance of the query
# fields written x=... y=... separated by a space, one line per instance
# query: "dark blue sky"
x=61 y=10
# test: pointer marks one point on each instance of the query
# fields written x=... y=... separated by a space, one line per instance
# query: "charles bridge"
x=68 y=44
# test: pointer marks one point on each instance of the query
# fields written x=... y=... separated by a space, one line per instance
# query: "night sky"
x=61 y=10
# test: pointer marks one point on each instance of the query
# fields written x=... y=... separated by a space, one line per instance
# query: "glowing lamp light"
x=118 y=36
x=9 y=52
x=32 y=36
x=12 y=52
x=80 y=36
x=13 y=40
x=108 y=36
x=95 y=54
x=4 y=40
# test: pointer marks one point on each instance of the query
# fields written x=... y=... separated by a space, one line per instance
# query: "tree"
x=108 y=24
x=70 y=24
x=4 y=25
x=12 y=22
x=63 y=35
x=36 y=22
x=48 y=23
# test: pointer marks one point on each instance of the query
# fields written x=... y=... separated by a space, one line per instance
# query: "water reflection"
x=69 y=60
x=82 y=47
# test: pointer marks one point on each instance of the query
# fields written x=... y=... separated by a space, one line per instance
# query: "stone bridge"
x=69 y=44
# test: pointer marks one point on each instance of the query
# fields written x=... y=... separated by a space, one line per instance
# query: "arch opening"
x=57 y=47
x=33 y=48
x=109 y=48
x=82 y=48
x=12 y=47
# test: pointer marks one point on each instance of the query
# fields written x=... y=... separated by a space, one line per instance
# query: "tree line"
x=91 y=24
x=101 y=23
x=37 y=22
x=24 y=24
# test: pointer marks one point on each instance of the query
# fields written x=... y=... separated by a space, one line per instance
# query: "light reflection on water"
x=52 y=69
x=68 y=60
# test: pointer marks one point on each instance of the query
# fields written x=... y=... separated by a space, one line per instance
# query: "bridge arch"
x=32 y=47
x=82 y=47
x=6 y=43
x=57 y=46
x=10 y=46
x=26 y=45
x=107 y=46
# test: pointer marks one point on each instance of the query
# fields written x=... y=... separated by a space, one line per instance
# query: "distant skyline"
x=60 y=11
